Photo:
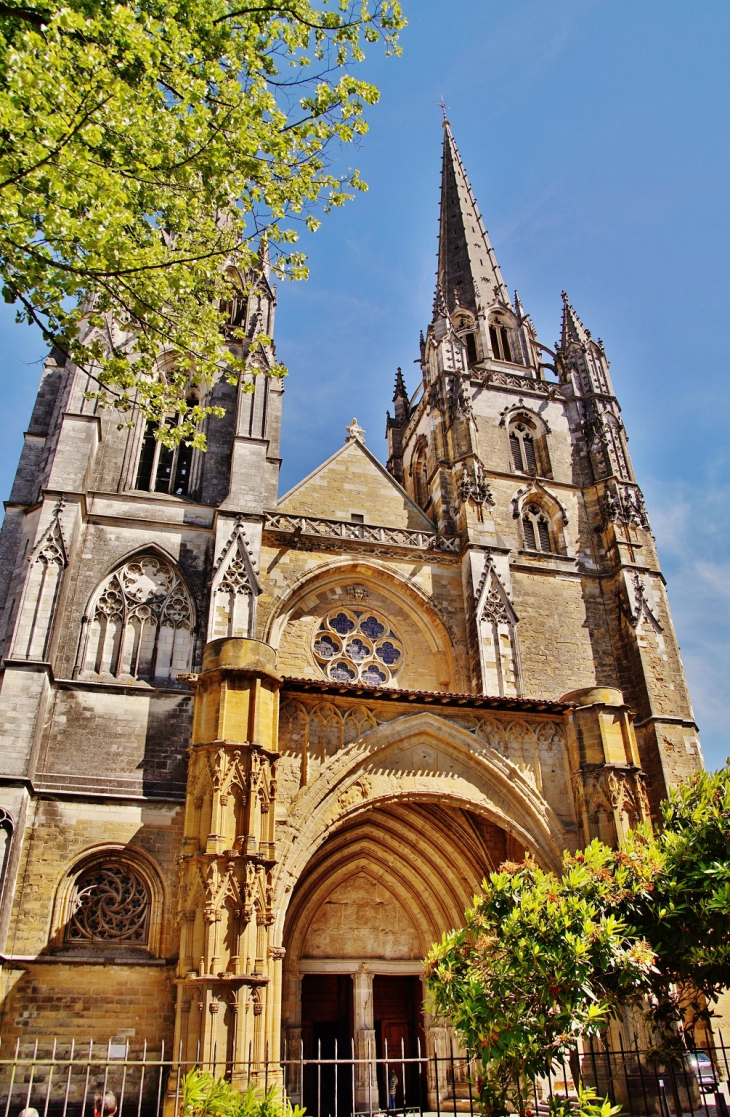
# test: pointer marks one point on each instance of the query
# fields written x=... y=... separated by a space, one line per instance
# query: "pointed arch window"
x=165 y=469
x=499 y=339
x=528 y=445
x=141 y=623
x=6 y=836
x=522 y=447
x=419 y=476
x=537 y=530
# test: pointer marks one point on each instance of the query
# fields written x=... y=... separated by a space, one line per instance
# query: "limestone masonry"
x=257 y=751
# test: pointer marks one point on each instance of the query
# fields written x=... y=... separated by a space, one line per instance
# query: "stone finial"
x=355 y=432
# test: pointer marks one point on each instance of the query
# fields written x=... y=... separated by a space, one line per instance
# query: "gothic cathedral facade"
x=259 y=751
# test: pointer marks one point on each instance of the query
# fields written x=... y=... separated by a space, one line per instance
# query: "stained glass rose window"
x=351 y=645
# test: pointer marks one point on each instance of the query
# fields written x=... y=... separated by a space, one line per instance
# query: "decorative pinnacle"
x=355 y=432
x=443 y=106
x=400 y=386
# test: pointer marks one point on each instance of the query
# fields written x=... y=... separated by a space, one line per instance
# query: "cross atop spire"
x=467 y=267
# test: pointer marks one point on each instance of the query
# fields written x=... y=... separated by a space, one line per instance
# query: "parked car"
x=702 y=1065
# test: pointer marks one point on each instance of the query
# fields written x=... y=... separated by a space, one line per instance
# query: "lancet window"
x=109 y=903
x=522 y=446
x=353 y=645
x=499 y=339
x=419 y=475
x=160 y=468
x=6 y=836
x=537 y=529
x=141 y=623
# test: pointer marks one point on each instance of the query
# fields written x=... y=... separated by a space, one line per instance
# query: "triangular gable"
x=491 y=598
x=353 y=482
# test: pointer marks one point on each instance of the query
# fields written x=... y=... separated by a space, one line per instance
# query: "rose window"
x=110 y=904
x=353 y=646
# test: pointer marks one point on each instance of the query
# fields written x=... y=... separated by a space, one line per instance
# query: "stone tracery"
x=110 y=904
x=353 y=645
x=142 y=622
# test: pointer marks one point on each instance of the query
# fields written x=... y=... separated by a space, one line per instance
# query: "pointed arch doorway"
x=374 y=897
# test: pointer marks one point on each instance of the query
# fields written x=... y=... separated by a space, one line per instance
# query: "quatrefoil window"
x=354 y=645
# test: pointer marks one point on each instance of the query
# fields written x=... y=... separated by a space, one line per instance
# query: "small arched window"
x=419 y=475
x=471 y=348
x=161 y=468
x=537 y=530
x=522 y=446
x=499 y=339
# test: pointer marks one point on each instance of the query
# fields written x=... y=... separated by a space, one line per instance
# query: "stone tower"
x=258 y=752
x=120 y=560
x=534 y=475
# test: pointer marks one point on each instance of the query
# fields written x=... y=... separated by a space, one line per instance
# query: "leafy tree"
x=686 y=915
x=145 y=145
x=544 y=960
x=541 y=961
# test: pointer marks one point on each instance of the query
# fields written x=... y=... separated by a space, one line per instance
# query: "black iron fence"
x=62 y=1078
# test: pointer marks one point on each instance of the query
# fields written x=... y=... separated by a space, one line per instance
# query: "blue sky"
x=595 y=134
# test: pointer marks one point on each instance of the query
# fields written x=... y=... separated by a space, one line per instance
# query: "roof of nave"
x=351 y=481
x=429 y=697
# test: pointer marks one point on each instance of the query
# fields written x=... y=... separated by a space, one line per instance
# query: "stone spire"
x=572 y=328
x=467 y=267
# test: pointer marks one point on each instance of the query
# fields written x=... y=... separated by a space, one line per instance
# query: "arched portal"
x=373 y=899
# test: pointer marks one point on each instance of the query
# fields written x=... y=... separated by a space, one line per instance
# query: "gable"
x=353 y=482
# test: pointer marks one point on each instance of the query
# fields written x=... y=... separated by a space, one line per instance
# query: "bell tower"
x=521 y=451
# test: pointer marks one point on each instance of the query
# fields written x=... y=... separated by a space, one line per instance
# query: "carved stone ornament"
x=623 y=503
x=640 y=606
x=473 y=485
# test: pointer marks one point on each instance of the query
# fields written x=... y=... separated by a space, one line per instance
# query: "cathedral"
x=258 y=751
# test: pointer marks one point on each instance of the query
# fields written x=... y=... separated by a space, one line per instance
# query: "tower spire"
x=467 y=267
x=572 y=327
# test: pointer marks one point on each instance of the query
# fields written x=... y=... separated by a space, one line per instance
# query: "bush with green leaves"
x=204 y=1095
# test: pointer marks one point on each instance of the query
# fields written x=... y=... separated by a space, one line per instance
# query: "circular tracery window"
x=110 y=904
x=357 y=646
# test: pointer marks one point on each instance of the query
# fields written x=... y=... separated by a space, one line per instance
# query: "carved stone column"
x=366 y=1086
x=228 y=855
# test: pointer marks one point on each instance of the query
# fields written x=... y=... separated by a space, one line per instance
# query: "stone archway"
x=375 y=896
x=389 y=844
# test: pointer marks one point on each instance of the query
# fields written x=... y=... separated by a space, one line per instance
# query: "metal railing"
x=60 y=1078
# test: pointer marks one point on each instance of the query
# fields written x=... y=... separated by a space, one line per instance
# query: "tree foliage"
x=545 y=960
x=147 y=144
